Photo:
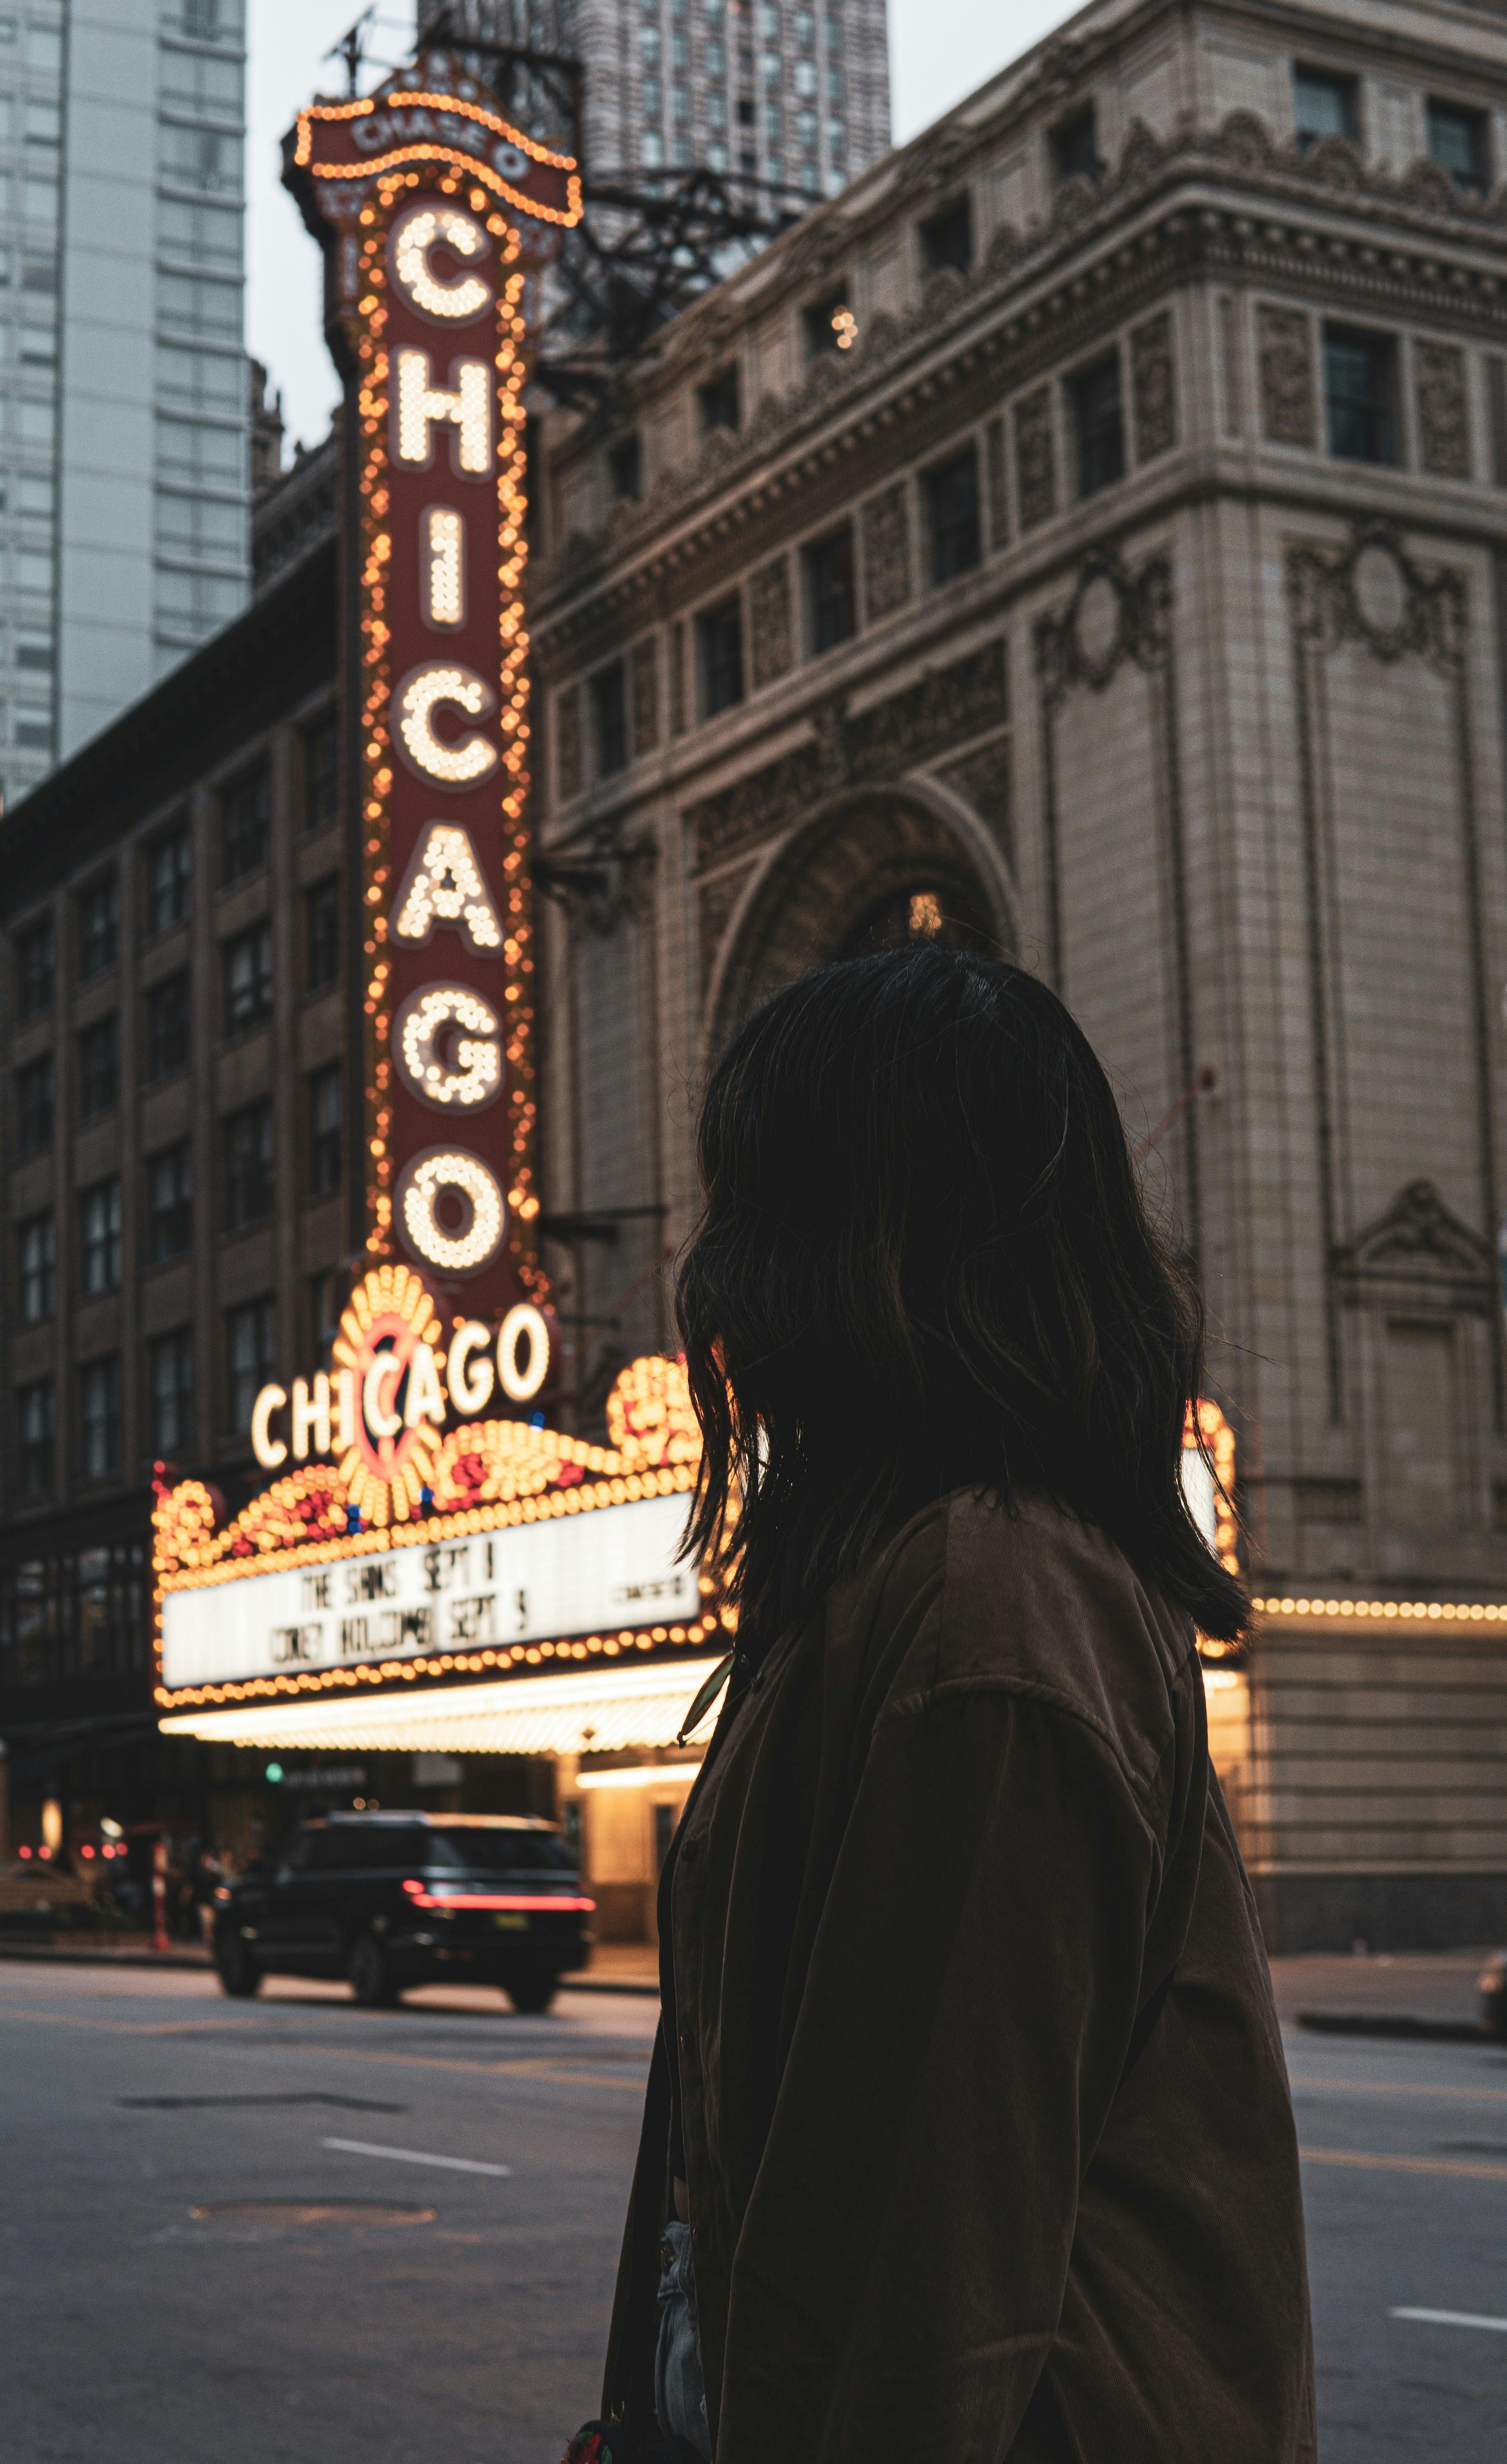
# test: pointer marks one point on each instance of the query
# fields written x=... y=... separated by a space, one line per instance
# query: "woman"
x=968 y=2134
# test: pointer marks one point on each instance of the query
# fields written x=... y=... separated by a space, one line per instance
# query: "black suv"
x=393 y=1900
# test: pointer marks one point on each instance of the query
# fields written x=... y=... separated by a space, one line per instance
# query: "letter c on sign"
x=446 y=763
x=270 y=1451
x=380 y=1418
x=521 y=1385
x=423 y=227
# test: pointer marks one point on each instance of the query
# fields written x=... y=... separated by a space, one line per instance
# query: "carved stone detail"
x=984 y=782
x=1418 y=1241
x=1286 y=353
x=1374 y=593
x=1444 y=437
x=716 y=902
x=567 y=741
x=943 y=710
x=646 y=696
x=769 y=622
x=887 y=553
x=1153 y=386
x=1036 y=458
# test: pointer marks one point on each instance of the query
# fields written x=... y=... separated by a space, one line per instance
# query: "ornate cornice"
x=1323 y=224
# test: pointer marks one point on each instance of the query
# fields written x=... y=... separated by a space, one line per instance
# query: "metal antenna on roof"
x=352 y=48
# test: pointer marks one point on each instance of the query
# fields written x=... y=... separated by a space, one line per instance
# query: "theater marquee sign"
x=422 y=1535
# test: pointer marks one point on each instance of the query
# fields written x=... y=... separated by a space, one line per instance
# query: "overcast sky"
x=940 y=50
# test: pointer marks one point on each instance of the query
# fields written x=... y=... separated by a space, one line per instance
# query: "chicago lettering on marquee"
x=434 y=212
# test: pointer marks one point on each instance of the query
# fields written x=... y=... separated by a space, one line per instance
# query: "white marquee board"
x=590 y=1573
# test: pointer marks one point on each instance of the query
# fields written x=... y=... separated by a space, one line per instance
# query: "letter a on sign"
x=444 y=884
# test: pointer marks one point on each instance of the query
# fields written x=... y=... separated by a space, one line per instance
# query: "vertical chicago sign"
x=435 y=214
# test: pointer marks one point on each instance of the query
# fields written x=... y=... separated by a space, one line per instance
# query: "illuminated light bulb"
x=463 y=1252
x=413 y=235
x=444 y=554
x=465 y=404
x=414 y=702
x=444 y=884
x=523 y=1324
x=471 y=1077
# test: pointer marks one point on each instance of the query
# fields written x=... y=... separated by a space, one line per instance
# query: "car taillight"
x=415 y=1890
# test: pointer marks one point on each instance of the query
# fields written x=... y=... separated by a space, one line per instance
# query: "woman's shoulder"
x=1037 y=1600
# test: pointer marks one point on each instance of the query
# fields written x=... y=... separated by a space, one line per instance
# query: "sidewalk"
x=616 y=1967
x=1401 y=1993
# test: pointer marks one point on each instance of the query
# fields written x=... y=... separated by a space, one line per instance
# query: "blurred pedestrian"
x=968 y=2133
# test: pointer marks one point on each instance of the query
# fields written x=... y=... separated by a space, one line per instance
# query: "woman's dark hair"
x=924 y=1263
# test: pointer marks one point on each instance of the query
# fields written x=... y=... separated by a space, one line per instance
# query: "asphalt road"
x=385 y=2306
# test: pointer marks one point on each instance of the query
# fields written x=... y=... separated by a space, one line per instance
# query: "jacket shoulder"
x=1034 y=1600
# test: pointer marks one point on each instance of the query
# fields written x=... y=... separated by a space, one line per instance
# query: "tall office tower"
x=123 y=448
x=795 y=92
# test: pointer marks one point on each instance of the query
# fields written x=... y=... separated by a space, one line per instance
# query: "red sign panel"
x=431 y=209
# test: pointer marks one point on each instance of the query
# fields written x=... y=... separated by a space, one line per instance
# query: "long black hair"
x=924 y=1263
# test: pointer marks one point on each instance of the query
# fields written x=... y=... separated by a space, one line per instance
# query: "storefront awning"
x=587 y=1711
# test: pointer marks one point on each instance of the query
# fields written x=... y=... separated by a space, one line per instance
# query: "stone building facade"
x=1110 y=562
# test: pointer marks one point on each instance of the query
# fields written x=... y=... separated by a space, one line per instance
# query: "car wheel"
x=368 y=1971
x=238 y=1971
x=531 y=1989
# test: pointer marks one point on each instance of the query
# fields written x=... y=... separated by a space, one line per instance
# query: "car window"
x=296 y=1861
x=387 y=1847
x=501 y=1851
x=329 y=1853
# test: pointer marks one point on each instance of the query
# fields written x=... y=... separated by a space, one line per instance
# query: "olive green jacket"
x=987 y=2129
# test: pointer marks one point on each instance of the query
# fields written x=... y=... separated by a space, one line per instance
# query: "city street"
x=213 y=2246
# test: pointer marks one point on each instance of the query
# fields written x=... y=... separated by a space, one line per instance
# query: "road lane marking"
x=1404 y=2087
x=1366 y=2161
x=416 y=2156
x=1451 y=2318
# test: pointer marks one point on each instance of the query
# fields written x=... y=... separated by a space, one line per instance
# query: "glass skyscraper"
x=125 y=406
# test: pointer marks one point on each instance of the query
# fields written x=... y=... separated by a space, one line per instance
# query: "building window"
x=36 y=1262
x=102 y=1419
x=251 y=1349
x=946 y=237
x=168 y=1032
x=1098 y=425
x=37 y=1421
x=827 y=569
x=953 y=531
x=1324 y=105
x=324 y=1311
x=34 y=1106
x=1359 y=383
x=718 y=402
x=609 y=718
x=169 y=1204
x=98 y=926
x=829 y=325
x=1075 y=146
x=170 y=1381
x=321 y=933
x=321 y=775
x=719 y=646
x=1459 y=143
x=169 y=880
x=36 y=967
x=247 y=961
x=98 y=1069
x=325 y=1131
x=248 y=1166
x=626 y=468
x=100 y=1236
x=246 y=824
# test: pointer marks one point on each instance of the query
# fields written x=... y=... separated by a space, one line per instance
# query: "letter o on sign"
x=523 y=1353
x=451 y=1211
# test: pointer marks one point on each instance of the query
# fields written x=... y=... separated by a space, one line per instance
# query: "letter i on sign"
x=429 y=246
